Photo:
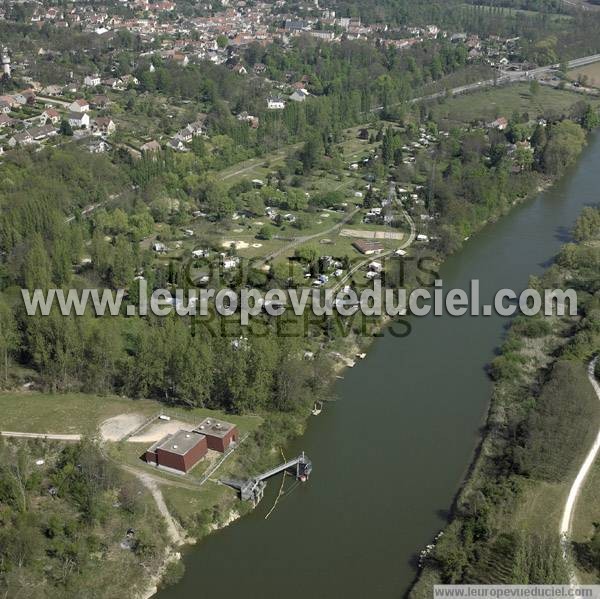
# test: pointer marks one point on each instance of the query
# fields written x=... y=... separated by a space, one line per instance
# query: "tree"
x=265 y=232
x=534 y=87
x=565 y=143
x=590 y=119
x=36 y=266
x=9 y=340
x=524 y=158
x=65 y=128
x=312 y=152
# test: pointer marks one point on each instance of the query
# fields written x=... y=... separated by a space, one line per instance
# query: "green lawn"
x=491 y=103
x=587 y=510
x=74 y=413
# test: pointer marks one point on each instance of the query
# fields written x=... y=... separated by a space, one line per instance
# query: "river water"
x=390 y=455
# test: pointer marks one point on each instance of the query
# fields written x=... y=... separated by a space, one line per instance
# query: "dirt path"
x=299 y=240
x=176 y=534
x=40 y=436
x=566 y=524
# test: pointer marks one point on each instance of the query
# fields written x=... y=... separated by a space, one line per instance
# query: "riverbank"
x=542 y=419
x=355 y=343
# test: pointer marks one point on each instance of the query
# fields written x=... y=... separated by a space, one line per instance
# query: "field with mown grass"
x=78 y=413
x=491 y=103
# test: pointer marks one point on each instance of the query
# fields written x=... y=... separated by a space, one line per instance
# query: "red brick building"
x=180 y=451
x=219 y=434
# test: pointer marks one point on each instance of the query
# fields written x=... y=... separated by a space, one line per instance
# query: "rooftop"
x=214 y=427
x=180 y=442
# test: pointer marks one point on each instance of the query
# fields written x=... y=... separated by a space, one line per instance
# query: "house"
x=52 y=90
x=43 y=132
x=178 y=452
x=5 y=121
x=5 y=105
x=253 y=121
x=368 y=247
x=25 y=97
x=100 y=101
x=299 y=95
x=196 y=128
x=50 y=114
x=159 y=248
x=240 y=69
x=501 y=123
x=20 y=139
x=79 y=120
x=184 y=135
x=296 y=26
x=230 y=262
x=219 y=434
x=176 y=144
x=98 y=146
x=180 y=59
x=150 y=147
x=105 y=125
x=91 y=80
x=79 y=105
x=275 y=104
x=127 y=81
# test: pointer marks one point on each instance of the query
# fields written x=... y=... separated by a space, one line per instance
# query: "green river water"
x=390 y=455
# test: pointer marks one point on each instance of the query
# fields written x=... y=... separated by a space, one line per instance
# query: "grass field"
x=521 y=12
x=74 y=413
x=588 y=507
x=591 y=72
x=491 y=103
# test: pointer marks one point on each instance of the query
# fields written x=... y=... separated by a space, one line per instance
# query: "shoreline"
x=349 y=355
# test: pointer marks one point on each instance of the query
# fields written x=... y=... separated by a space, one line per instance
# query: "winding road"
x=566 y=523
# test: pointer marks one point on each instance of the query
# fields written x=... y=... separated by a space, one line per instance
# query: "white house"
x=79 y=120
x=50 y=114
x=275 y=104
x=92 y=80
x=230 y=262
x=80 y=105
x=299 y=95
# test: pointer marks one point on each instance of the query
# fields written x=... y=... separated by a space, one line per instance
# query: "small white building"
x=80 y=105
x=275 y=104
x=79 y=120
x=91 y=80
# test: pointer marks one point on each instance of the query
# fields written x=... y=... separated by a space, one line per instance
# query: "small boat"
x=317 y=408
x=362 y=356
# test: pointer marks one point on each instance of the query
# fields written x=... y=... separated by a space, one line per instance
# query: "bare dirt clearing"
x=118 y=427
x=370 y=234
x=158 y=429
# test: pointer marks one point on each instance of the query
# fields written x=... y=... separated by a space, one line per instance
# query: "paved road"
x=566 y=524
x=509 y=77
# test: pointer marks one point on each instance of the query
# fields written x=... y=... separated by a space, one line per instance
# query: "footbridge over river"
x=253 y=488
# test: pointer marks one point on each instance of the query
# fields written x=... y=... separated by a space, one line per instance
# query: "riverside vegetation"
x=542 y=420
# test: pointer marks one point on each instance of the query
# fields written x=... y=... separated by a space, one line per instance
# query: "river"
x=389 y=456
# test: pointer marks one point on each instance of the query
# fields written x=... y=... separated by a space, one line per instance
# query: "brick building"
x=219 y=434
x=180 y=451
